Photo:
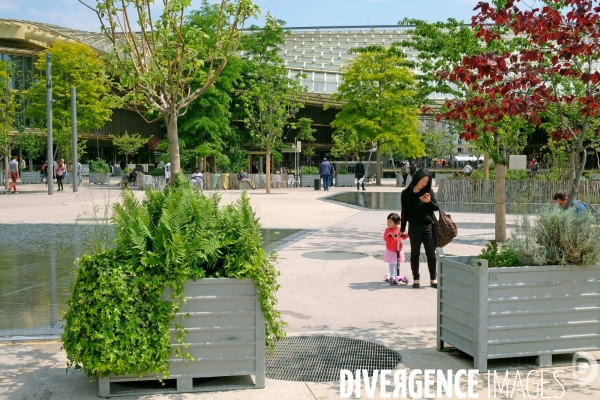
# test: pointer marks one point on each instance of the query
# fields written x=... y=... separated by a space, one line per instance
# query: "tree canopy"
x=73 y=64
x=551 y=81
x=164 y=65
x=129 y=144
x=269 y=99
x=378 y=101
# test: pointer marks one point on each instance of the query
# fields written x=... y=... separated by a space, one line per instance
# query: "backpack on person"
x=592 y=211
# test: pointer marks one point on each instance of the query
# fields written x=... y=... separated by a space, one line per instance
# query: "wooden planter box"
x=68 y=178
x=308 y=180
x=344 y=180
x=492 y=313
x=226 y=336
x=30 y=177
x=99 y=178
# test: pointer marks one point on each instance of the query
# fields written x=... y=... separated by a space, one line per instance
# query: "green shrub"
x=158 y=172
x=117 y=322
x=557 y=237
x=306 y=170
x=499 y=256
x=99 y=166
x=343 y=171
x=511 y=174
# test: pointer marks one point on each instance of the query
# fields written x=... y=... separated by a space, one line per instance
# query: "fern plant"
x=117 y=322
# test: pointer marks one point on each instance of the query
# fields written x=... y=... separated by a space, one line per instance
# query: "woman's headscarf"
x=422 y=173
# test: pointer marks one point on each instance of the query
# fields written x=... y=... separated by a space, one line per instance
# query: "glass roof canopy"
x=317 y=52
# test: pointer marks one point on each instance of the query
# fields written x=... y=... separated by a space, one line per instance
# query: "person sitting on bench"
x=244 y=178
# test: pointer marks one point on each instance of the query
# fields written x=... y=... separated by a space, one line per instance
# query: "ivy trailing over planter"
x=117 y=322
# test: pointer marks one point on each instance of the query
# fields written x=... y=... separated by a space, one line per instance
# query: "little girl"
x=393 y=243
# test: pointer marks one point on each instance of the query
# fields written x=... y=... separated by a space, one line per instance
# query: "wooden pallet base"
x=152 y=386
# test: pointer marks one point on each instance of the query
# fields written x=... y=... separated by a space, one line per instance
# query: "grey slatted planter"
x=30 y=177
x=226 y=336
x=308 y=180
x=68 y=178
x=99 y=178
x=344 y=180
x=492 y=313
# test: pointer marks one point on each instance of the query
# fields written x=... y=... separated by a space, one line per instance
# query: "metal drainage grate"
x=334 y=255
x=320 y=358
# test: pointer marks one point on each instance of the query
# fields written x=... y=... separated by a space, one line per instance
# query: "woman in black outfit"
x=418 y=204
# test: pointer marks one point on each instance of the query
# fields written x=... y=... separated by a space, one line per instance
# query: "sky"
x=297 y=13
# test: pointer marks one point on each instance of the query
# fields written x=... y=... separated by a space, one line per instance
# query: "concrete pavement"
x=330 y=297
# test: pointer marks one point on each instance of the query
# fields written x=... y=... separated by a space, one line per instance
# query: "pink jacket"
x=391 y=243
x=60 y=168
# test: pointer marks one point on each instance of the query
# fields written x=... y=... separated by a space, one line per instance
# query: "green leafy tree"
x=33 y=144
x=208 y=119
x=306 y=134
x=378 y=97
x=8 y=113
x=73 y=64
x=269 y=98
x=163 y=64
x=346 y=144
x=438 y=143
x=129 y=144
x=443 y=47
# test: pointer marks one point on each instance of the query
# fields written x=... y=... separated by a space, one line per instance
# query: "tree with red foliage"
x=551 y=82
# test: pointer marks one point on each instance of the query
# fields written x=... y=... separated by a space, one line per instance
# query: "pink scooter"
x=399 y=278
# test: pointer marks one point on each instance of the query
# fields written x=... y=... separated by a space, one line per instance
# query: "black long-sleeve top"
x=415 y=211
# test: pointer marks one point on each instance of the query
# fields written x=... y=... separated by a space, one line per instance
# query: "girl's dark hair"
x=394 y=217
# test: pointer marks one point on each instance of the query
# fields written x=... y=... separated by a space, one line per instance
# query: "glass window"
x=319 y=79
x=27 y=71
x=330 y=83
x=18 y=72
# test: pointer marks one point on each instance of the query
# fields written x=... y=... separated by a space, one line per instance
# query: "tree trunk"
x=378 y=168
x=31 y=164
x=268 y=169
x=6 y=173
x=173 y=138
x=577 y=171
x=486 y=166
x=500 y=200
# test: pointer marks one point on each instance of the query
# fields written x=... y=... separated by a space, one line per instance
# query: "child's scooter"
x=399 y=278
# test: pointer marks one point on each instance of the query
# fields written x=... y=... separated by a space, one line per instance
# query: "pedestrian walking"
x=359 y=173
x=80 y=173
x=13 y=167
x=22 y=166
x=418 y=204
x=167 y=172
x=413 y=170
x=61 y=171
x=333 y=169
x=44 y=170
x=393 y=245
x=404 y=172
x=325 y=172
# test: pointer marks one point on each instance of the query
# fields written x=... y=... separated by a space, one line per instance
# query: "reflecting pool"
x=36 y=273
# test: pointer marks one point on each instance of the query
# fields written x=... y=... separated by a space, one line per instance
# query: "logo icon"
x=585 y=368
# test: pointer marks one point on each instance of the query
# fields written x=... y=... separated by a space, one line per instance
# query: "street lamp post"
x=74 y=138
x=49 y=156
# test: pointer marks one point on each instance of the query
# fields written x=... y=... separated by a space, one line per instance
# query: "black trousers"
x=404 y=179
x=59 y=182
x=422 y=234
x=358 y=184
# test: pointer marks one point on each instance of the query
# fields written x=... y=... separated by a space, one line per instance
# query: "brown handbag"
x=444 y=229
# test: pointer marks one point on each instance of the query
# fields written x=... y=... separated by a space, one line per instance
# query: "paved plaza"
x=345 y=298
